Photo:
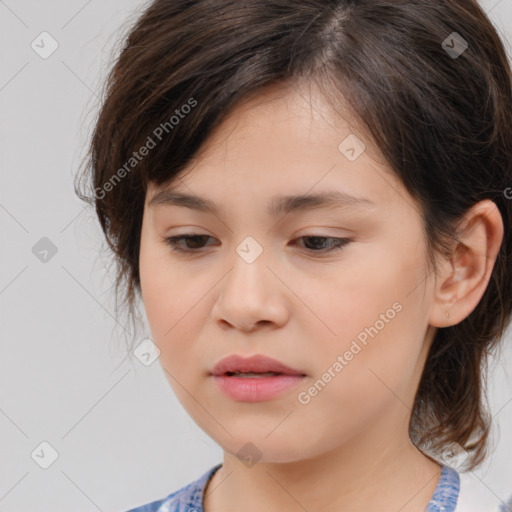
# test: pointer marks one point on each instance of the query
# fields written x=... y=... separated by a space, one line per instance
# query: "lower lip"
x=256 y=389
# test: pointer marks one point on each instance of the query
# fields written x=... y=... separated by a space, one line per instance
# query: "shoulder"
x=477 y=496
x=187 y=499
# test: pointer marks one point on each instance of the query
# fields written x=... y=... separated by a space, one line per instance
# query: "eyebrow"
x=278 y=205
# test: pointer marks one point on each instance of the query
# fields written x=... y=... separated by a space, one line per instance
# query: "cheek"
x=377 y=314
x=169 y=307
x=160 y=289
x=358 y=384
x=174 y=298
x=374 y=290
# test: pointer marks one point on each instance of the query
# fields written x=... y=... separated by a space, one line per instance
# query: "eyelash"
x=172 y=242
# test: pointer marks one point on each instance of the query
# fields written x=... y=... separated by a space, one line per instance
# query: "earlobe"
x=464 y=276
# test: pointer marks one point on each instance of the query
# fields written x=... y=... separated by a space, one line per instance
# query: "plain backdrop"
x=120 y=436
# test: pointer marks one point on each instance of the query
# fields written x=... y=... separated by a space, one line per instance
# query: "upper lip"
x=256 y=363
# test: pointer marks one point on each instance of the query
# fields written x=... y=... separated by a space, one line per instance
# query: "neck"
x=384 y=476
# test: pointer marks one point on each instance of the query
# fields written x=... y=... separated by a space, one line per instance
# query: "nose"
x=251 y=295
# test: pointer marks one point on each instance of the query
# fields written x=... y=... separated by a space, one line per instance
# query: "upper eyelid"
x=189 y=234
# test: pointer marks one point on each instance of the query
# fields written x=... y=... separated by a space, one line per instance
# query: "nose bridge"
x=247 y=293
x=249 y=269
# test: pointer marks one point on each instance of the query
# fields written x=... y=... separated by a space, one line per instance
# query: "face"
x=337 y=290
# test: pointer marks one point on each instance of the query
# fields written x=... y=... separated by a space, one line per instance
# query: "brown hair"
x=442 y=120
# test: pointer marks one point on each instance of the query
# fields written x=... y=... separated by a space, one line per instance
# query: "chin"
x=257 y=449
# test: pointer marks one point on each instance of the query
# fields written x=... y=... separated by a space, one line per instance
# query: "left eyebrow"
x=278 y=205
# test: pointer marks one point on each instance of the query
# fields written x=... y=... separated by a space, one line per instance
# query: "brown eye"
x=193 y=242
x=318 y=243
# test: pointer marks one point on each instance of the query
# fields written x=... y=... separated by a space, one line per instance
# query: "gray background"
x=121 y=436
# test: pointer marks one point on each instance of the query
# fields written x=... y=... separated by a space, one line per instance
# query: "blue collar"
x=444 y=498
x=446 y=493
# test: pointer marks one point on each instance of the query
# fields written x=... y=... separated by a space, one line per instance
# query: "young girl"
x=313 y=199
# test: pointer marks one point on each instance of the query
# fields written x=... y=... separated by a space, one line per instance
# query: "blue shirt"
x=190 y=497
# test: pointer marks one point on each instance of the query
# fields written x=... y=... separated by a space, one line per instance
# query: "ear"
x=463 y=277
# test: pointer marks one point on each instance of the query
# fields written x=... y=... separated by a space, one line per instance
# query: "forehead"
x=284 y=142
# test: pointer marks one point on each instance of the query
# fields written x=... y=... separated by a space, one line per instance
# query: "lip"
x=254 y=389
x=256 y=363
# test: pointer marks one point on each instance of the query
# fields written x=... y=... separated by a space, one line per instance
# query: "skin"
x=348 y=449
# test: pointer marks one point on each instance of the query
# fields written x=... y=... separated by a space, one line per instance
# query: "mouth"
x=256 y=387
x=255 y=366
x=252 y=374
x=255 y=379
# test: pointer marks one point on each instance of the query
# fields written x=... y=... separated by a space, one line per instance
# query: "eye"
x=197 y=241
x=173 y=242
x=336 y=243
